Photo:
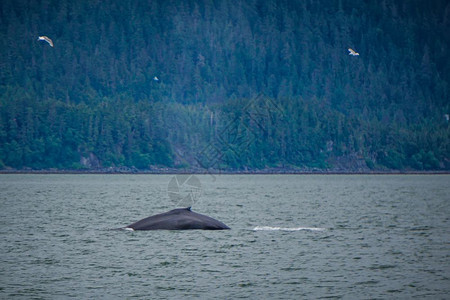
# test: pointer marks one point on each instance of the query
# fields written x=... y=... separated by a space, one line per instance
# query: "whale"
x=178 y=219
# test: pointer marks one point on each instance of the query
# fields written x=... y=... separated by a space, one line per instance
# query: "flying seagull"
x=155 y=78
x=46 y=38
x=352 y=52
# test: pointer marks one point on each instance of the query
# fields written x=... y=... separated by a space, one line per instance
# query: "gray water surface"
x=293 y=236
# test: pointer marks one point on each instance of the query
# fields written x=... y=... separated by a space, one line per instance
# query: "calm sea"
x=293 y=236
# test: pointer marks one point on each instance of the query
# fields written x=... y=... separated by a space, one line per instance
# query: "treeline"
x=248 y=134
x=92 y=101
x=56 y=134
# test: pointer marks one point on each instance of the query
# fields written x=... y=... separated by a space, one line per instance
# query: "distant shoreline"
x=171 y=171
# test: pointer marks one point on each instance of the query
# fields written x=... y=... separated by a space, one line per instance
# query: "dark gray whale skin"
x=178 y=219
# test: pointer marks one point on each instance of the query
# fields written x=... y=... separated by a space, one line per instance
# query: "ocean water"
x=292 y=236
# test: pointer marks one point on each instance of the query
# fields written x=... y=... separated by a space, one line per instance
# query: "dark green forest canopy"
x=242 y=84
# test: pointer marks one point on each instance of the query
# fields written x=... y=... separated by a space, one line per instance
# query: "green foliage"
x=392 y=159
x=93 y=95
x=370 y=164
x=424 y=161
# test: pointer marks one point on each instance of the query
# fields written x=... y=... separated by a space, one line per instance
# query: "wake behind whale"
x=270 y=228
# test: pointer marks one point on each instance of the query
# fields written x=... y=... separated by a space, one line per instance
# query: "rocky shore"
x=164 y=170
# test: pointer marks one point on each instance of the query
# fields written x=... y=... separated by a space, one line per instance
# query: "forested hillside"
x=230 y=85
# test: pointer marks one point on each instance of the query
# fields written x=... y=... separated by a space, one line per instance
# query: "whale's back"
x=178 y=219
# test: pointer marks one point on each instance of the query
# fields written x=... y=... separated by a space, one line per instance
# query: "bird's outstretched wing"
x=352 y=52
x=47 y=39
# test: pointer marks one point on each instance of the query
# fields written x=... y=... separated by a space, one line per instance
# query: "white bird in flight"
x=352 y=52
x=47 y=39
x=155 y=78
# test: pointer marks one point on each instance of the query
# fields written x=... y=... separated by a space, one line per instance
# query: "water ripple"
x=292 y=237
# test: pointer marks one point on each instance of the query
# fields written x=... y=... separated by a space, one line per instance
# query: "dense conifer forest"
x=225 y=84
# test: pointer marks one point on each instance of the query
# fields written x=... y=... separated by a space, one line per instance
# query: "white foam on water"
x=270 y=228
